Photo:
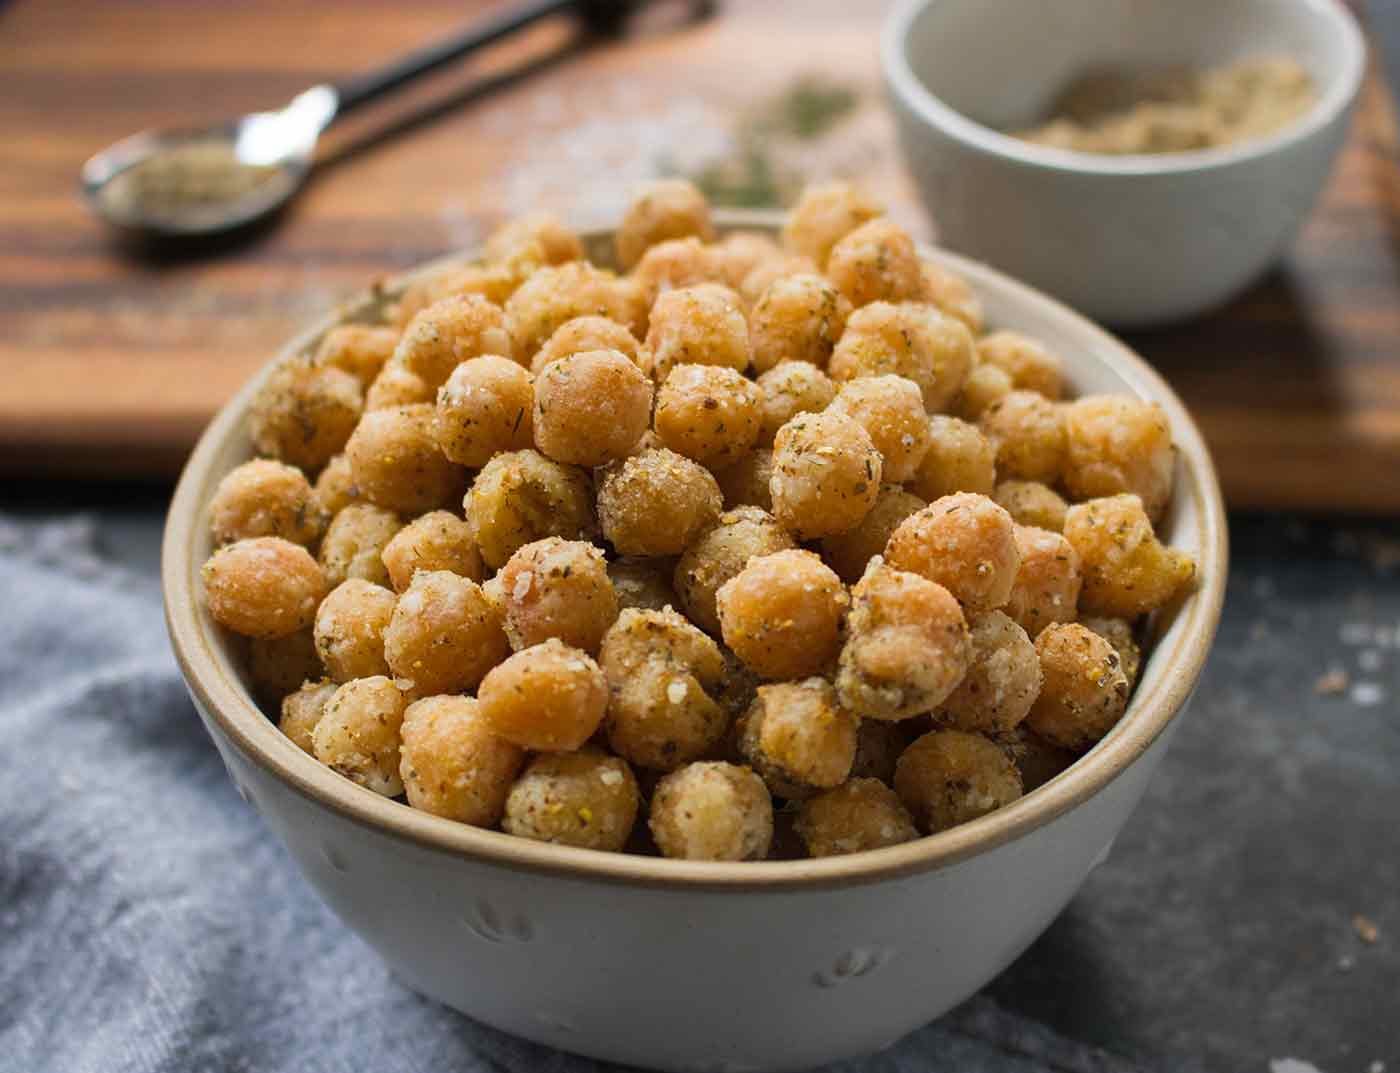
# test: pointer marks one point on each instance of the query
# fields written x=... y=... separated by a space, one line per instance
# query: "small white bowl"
x=1133 y=240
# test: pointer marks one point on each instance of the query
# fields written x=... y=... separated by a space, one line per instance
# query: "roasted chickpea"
x=675 y=264
x=964 y=542
x=304 y=413
x=644 y=584
x=358 y=734
x=850 y=553
x=591 y=408
x=891 y=410
x=746 y=483
x=1002 y=679
x=436 y=541
x=662 y=210
x=360 y=349
x=798 y=318
x=826 y=474
x=557 y=588
x=396 y=386
x=1032 y=503
x=1028 y=431
x=949 y=777
x=450 y=332
x=878 y=745
x=1085 y=691
x=355 y=542
x=712 y=812
x=349 y=631
x=1120 y=634
x=263 y=587
x=584 y=334
x=494 y=282
x=1037 y=759
x=396 y=462
x=265 y=498
x=719 y=554
x=550 y=697
x=959 y=459
x=699 y=325
x=876 y=262
x=911 y=340
x=521 y=496
x=279 y=665
x=1127 y=571
x=1047 y=581
x=556 y=294
x=781 y=614
x=952 y=294
x=788 y=389
x=302 y=710
x=740 y=252
x=764 y=274
x=825 y=214
x=1116 y=444
x=537 y=238
x=985 y=384
x=452 y=765
x=444 y=635
x=858 y=815
x=656 y=503
x=587 y=799
x=1030 y=365
x=709 y=413
x=335 y=487
x=798 y=738
x=484 y=407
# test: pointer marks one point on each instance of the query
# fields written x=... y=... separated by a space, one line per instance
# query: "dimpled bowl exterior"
x=701 y=965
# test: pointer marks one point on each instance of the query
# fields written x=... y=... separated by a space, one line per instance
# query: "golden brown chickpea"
x=1002 y=679
x=826 y=475
x=1047 y=581
x=798 y=318
x=587 y=799
x=825 y=214
x=858 y=815
x=740 y=252
x=550 y=697
x=279 y=665
x=949 y=777
x=358 y=734
x=537 y=238
x=1085 y=691
x=436 y=541
x=952 y=294
x=721 y=553
x=764 y=274
x=788 y=389
x=1028 y=431
x=891 y=410
x=444 y=635
x=747 y=482
x=349 y=631
x=876 y=262
x=781 y=614
x=964 y=542
x=675 y=264
x=452 y=765
x=265 y=498
x=1115 y=444
x=699 y=325
x=1127 y=571
x=396 y=386
x=485 y=407
x=304 y=413
x=656 y=503
x=355 y=543
x=850 y=553
x=985 y=384
x=587 y=333
x=450 y=332
x=263 y=587
x=878 y=745
x=709 y=413
x=360 y=349
x=302 y=710
x=911 y=340
x=1119 y=633
x=662 y=210
x=959 y=459
x=907 y=646
x=591 y=408
x=396 y=462
x=1029 y=365
x=798 y=738
x=642 y=583
x=521 y=496
x=494 y=282
x=1037 y=759
x=712 y=812
x=1032 y=503
x=557 y=588
x=556 y=294
x=335 y=487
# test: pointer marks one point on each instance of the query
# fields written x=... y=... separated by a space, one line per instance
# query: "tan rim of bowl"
x=214 y=680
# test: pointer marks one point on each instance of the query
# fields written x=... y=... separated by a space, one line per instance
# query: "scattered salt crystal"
x=676 y=691
x=1376 y=1067
x=1346 y=963
x=610 y=776
x=1291 y=1065
x=1369 y=659
x=1367 y=694
x=522 y=585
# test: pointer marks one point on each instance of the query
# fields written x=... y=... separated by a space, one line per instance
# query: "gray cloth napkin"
x=148 y=919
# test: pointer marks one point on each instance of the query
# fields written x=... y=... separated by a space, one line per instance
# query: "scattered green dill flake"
x=807 y=109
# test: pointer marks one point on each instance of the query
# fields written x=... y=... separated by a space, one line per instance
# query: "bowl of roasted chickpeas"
x=722 y=642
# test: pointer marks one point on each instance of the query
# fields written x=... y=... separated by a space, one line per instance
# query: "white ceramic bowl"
x=698 y=965
x=1131 y=240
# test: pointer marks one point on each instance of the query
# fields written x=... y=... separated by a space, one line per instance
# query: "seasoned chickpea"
x=436 y=541
x=1037 y=759
x=952 y=294
x=662 y=210
x=911 y=340
x=591 y=408
x=349 y=631
x=263 y=587
x=521 y=496
x=798 y=318
x=740 y=252
x=335 y=487
x=265 y=498
x=891 y=410
x=798 y=738
x=858 y=815
x=1127 y=571
x=583 y=334
x=876 y=262
x=1028 y=431
x=557 y=588
x=1032 y=503
x=360 y=349
x=826 y=474
x=850 y=553
x=1002 y=679
x=721 y=553
x=302 y=710
x=907 y=646
x=450 y=332
x=555 y=294
x=949 y=777
x=1030 y=365
x=550 y=697
x=304 y=413
x=484 y=408
x=587 y=799
x=396 y=462
x=764 y=274
x=452 y=765
x=788 y=389
x=712 y=812
x=1120 y=634
x=1116 y=444
x=1047 y=581
x=699 y=325
x=964 y=542
x=747 y=482
x=396 y=386
x=825 y=214
x=642 y=583
x=1085 y=691
x=709 y=413
x=781 y=614
x=358 y=734
x=355 y=541
x=959 y=459
x=878 y=745
x=537 y=238
x=279 y=665
x=985 y=384
x=494 y=282
x=656 y=503
x=675 y=264
x=444 y=635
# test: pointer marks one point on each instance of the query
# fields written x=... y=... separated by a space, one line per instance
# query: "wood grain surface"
x=112 y=360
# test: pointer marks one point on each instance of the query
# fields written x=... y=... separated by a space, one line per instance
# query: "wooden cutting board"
x=111 y=363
